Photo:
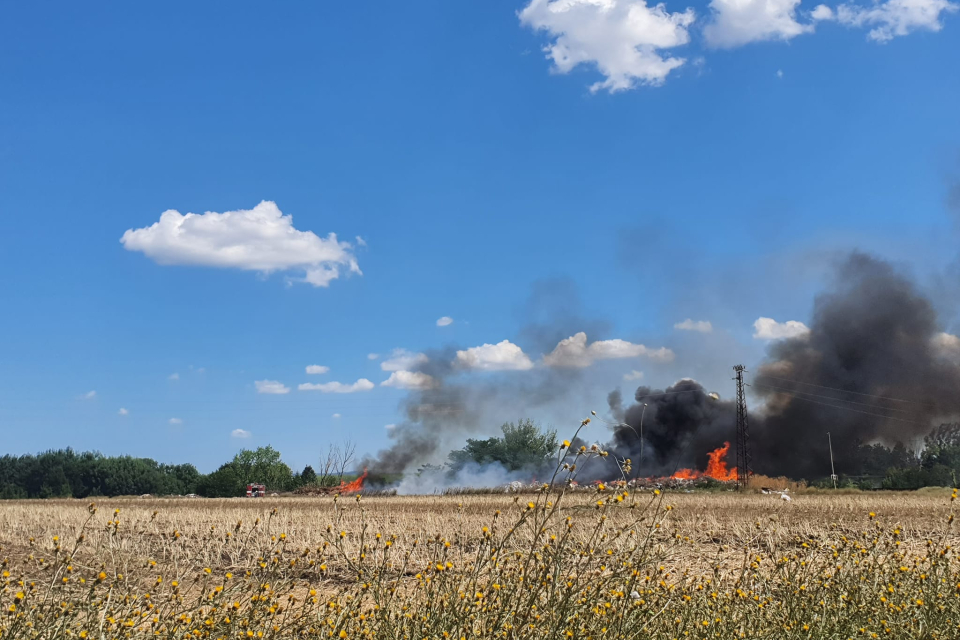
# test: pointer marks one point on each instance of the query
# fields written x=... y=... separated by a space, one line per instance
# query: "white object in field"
x=785 y=497
x=634 y=595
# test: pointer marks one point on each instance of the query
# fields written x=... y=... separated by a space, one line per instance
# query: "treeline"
x=874 y=466
x=524 y=445
x=68 y=474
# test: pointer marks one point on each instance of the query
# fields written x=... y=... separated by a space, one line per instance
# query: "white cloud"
x=700 y=326
x=822 y=12
x=239 y=433
x=373 y=356
x=503 y=356
x=390 y=427
x=739 y=22
x=409 y=380
x=259 y=239
x=403 y=360
x=780 y=73
x=445 y=321
x=574 y=352
x=271 y=387
x=361 y=242
x=173 y=376
x=336 y=416
x=175 y=421
x=123 y=412
x=892 y=18
x=633 y=375
x=622 y=38
x=316 y=369
x=89 y=395
x=770 y=329
x=947 y=345
x=338 y=387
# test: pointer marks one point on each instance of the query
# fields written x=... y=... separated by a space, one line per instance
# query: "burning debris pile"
x=344 y=488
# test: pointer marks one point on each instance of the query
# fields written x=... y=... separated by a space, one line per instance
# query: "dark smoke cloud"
x=679 y=426
x=872 y=338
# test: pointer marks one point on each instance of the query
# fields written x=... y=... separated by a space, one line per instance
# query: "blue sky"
x=599 y=166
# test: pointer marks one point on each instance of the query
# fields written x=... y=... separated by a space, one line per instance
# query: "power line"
x=816 y=395
x=833 y=406
x=869 y=395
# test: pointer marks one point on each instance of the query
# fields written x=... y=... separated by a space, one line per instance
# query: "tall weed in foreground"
x=555 y=564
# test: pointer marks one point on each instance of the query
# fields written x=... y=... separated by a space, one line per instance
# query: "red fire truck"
x=256 y=490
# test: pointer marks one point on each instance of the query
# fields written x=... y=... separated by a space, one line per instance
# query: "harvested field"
x=699 y=565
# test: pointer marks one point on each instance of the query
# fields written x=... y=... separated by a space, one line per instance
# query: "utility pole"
x=640 y=466
x=743 y=433
x=833 y=473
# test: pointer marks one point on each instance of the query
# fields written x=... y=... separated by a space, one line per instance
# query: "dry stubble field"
x=583 y=564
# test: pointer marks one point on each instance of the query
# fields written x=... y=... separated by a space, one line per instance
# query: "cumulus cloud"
x=822 y=12
x=739 y=22
x=315 y=369
x=373 y=356
x=271 y=387
x=403 y=360
x=770 y=329
x=503 y=356
x=700 y=326
x=445 y=321
x=259 y=239
x=175 y=421
x=338 y=387
x=891 y=18
x=173 y=376
x=89 y=395
x=239 y=433
x=409 y=380
x=123 y=412
x=623 y=39
x=633 y=375
x=336 y=416
x=574 y=352
x=947 y=345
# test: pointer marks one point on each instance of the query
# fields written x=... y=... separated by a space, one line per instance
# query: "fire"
x=352 y=486
x=716 y=467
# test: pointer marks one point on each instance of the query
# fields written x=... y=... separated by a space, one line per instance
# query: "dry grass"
x=700 y=565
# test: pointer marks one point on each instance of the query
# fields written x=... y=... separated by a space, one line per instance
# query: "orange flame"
x=716 y=467
x=353 y=486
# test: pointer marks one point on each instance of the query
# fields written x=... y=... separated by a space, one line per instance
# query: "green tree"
x=308 y=475
x=523 y=445
x=263 y=465
x=225 y=482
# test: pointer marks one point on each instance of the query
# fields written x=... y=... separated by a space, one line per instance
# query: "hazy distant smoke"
x=873 y=338
x=458 y=407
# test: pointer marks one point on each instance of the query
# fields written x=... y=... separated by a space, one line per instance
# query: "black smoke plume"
x=671 y=428
x=874 y=367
